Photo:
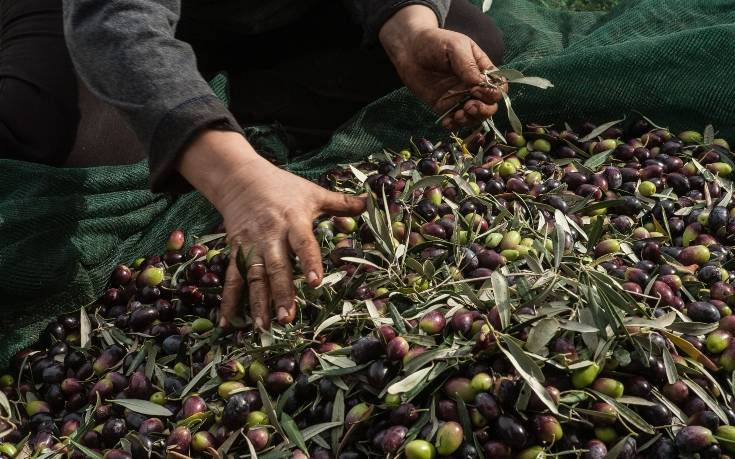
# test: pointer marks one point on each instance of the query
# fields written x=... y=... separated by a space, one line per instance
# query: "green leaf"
x=326 y=324
x=86 y=451
x=626 y=413
x=617 y=449
x=502 y=299
x=709 y=134
x=693 y=328
x=599 y=130
x=143 y=407
x=85 y=329
x=312 y=431
x=515 y=122
x=464 y=419
x=528 y=375
x=597 y=160
x=409 y=382
x=292 y=431
x=358 y=174
x=5 y=405
x=397 y=319
x=541 y=333
x=538 y=82
x=269 y=409
x=671 y=374
x=707 y=399
x=195 y=380
x=338 y=415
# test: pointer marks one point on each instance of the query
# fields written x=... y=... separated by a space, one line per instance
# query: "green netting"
x=62 y=230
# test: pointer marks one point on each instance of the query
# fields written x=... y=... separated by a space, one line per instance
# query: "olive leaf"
x=626 y=413
x=409 y=382
x=358 y=174
x=195 y=380
x=5 y=405
x=617 y=449
x=338 y=416
x=515 y=122
x=671 y=374
x=706 y=398
x=541 y=333
x=541 y=83
x=709 y=134
x=693 y=328
x=502 y=301
x=600 y=129
x=86 y=451
x=292 y=431
x=85 y=329
x=527 y=372
x=690 y=350
x=143 y=407
x=326 y=324
x=597 y=160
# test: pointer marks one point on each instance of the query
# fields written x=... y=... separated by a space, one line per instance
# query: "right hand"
x=268 y=212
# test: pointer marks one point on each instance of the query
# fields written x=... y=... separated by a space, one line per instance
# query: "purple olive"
x=236 y=411
x=179 y=440
x=278 y=381
x=259 y=437
x=397 y=348
x=113 y=430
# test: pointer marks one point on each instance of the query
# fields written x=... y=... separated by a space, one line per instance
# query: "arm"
x=126 y=53
x=373 y=14
x=439 y=65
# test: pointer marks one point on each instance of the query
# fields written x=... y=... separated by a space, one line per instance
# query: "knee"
x=468 y=19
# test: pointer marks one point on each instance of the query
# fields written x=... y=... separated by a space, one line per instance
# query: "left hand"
x=439 y=66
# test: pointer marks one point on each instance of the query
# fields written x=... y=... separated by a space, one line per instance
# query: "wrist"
x=399 y=31
x=213 y=157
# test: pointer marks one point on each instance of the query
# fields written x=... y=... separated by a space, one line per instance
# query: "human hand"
x=268 y=212
x=439 y=66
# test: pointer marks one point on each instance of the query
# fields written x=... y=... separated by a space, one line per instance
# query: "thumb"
x=340 y=204
x=464 y=63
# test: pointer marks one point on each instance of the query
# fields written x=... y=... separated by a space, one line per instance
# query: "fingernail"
x=312 y=278
x=282 y=314
x=258 y=322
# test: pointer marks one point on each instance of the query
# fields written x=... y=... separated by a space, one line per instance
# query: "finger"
x=479 y=111
x=258 y=293
x=463 y=63
x=231 y=293
x=340 y=204
x=280 y=279
x=303 y=243
x=481 y=58
x=460 y=118
x=487 y=95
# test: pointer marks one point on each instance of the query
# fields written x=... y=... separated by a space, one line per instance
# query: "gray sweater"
x=126 y=52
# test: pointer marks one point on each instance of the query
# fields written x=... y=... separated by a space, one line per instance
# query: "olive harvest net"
x=63 y=230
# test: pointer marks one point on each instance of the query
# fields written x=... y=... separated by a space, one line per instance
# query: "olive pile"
x=550 y=293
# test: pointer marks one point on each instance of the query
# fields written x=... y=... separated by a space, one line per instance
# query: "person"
x=306 y=64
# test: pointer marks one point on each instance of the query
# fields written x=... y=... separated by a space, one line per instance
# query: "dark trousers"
x=309 y=77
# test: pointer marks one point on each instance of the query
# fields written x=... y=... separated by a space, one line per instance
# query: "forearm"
x=373 y=15
x=127 y=54
x=214 y=157
x=400 y=29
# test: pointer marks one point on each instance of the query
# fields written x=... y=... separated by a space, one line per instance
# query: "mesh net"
x=63 y=230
